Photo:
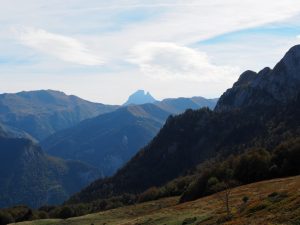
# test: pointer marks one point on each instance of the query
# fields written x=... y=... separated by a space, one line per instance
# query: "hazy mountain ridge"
x=41 y=113
x=179 y=105
x=110 y=140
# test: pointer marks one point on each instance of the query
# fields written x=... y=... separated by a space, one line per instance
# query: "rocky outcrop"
x=266 y=87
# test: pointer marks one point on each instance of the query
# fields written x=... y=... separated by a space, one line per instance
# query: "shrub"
x=212 y=182
x=47 y=208
x=245 y=199
x=253 y=166
x=42 y=215
x=223 y=219
x=189 y=221
x=277 y=197
x=66 y=212
x=149 y=195
x=257 y=208
x=5 y=218
x=273 y=194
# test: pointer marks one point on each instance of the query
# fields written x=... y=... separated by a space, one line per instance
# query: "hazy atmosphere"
x=105 y=50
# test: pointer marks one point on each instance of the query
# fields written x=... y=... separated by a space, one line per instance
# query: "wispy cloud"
x=204 y=20
x=59 y=46
x=86 y=32
x=170 y=61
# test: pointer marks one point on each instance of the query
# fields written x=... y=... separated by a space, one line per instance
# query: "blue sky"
x=103 y=51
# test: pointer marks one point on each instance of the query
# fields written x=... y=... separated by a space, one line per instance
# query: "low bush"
x=150 y=194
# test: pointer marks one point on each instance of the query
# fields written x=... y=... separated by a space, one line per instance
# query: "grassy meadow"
x=270 y=202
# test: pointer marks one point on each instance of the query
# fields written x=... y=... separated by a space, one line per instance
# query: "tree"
x=66 y=212
x=245 y=199
x=223 y=190
x=253 y=166
x=6 y=218
x=149 y=195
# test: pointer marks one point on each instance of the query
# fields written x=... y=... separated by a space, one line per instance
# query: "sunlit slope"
x=270 y=202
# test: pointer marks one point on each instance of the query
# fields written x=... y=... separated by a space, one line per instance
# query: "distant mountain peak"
x=140 y=97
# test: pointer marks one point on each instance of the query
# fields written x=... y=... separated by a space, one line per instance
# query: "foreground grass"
x=270 y=203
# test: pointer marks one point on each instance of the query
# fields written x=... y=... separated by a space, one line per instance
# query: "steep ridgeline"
x=29 y=176
x=41 y=113
x=267 y=87
x=6 y=131
x=195 y=136
x=110 y=140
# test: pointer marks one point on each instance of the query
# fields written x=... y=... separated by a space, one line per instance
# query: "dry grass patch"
x=269 y=203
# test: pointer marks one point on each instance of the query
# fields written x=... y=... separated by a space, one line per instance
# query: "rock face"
x=266 y=87
x=140 y=97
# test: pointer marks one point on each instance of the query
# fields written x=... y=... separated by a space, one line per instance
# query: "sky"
x=103 y=51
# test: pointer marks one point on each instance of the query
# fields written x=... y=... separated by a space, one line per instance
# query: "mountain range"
x=159 y=149
x=106 y=140
x=42 y=113
x=259 y=111
x=110 y=140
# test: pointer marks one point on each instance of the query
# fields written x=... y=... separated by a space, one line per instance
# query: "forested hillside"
x=29 y=176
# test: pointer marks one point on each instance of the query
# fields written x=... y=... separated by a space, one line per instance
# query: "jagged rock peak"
x=140 y=97
x=277 y=86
